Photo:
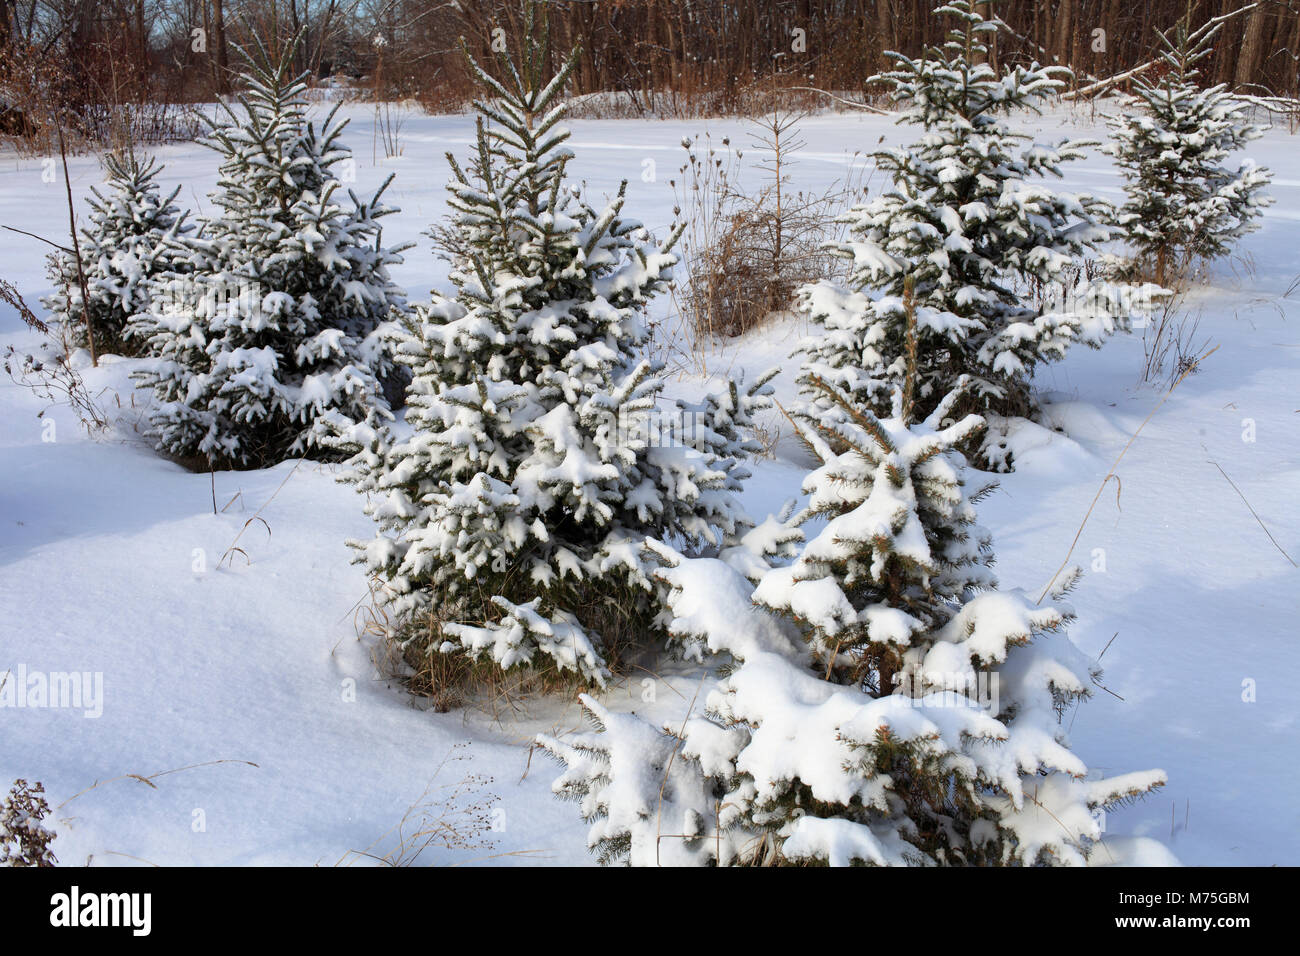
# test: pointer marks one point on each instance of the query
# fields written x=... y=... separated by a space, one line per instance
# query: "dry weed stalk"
x=1111 y=474
x=24 y=838
x=148 y=779
x=459 y=820
x=1254 y=514
x=231 y=551
x=746 y=252
x=52 y=379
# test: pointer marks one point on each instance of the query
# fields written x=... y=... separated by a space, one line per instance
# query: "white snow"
x=113 y=562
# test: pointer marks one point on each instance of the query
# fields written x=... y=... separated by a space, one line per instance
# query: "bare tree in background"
x=665 y=56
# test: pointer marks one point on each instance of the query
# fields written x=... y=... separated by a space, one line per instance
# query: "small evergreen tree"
x=970 y=225
x=280 y=335
x=1171 y=141
x=884 y=703
x=131 y=238
x=542 y=454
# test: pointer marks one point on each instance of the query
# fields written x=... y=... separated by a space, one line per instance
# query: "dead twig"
x=24 y=232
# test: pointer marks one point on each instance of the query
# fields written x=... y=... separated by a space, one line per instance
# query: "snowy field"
x=111 y=564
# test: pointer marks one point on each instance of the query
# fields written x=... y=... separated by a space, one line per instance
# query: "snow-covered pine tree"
x=1171 y=141
x=512 y=519
x=970 y=222
x=280 y=335
x=884 y=703
x=130 y=238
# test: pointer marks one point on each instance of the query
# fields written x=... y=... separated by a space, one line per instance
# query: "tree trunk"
x=6 y=22
x=142 y=38
x=884 y=20
x=1061 y=47
x=1252 y=43
x=1291 y=84
x=219 y=40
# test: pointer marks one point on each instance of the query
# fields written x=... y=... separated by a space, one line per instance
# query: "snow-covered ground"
x=111 y=565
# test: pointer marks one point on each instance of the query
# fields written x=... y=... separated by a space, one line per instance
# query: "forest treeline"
x=676 y=56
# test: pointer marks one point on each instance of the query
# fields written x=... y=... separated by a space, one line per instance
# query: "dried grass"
x=24 y=838
x=51 y=376
x=451 y=816
x=748 y=251
x=410 y=650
